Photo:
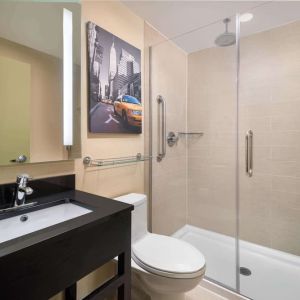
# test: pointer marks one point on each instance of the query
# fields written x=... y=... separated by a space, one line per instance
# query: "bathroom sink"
x=25 y=221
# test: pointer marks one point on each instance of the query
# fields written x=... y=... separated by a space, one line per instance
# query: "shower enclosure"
x=224 y=134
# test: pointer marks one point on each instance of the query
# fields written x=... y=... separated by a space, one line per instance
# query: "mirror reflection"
x=34 y=114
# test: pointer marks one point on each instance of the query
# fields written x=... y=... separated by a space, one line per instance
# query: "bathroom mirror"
x=39 y=81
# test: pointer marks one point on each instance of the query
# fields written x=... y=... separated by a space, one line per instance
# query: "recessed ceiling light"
x=246 y=17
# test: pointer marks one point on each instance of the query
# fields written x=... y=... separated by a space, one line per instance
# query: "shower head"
x=227 y=38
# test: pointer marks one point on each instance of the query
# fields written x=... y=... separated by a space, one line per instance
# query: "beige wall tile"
x=283 y=237
x=256 y=124
x=286 y=184
x=285 y=153
x=285 y=122
x=287 y=138
x=212 y=157
x=169 y=186
x=255 y=218
x=285 y=108
x=270 y=72
x=286 y=168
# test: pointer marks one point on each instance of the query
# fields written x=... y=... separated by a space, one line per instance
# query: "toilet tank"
x=139 y=214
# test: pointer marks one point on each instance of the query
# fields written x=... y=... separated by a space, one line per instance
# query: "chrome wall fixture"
x=172 y=139
x=20 y=159
x=90 y=162
x=19 y=195
x=191 y=133
x=249 y=153
x=162 y=128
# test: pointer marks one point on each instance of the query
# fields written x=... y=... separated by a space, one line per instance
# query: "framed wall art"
x=114 y=83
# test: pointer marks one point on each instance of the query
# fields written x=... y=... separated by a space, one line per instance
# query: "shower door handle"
x=249 y=153
x=162 y=127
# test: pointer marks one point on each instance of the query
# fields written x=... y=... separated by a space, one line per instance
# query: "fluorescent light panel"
x=68 y=77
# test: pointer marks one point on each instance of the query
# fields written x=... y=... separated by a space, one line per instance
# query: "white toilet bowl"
x=164 y=268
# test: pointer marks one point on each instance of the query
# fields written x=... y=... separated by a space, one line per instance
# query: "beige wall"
x=117 y=19
x=169 y=79
x=269 y=105
x=41 y=170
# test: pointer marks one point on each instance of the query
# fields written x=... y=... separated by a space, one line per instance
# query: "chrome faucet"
x=20 y=193
x=22 y=190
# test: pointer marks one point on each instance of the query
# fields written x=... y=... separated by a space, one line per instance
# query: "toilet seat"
x=167 y=256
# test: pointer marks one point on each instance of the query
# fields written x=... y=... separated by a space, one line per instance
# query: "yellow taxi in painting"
x=129 y=109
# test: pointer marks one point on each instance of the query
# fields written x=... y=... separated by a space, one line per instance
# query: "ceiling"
x=194 y=25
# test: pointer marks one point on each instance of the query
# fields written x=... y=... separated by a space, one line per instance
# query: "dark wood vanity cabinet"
x=41 y=264
x=108 y=240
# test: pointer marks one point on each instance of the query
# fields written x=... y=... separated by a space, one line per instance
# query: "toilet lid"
x=168 y=256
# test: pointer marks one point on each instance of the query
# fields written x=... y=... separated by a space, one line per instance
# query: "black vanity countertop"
x=103 y=209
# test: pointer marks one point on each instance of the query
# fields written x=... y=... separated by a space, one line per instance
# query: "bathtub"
x=275 y=275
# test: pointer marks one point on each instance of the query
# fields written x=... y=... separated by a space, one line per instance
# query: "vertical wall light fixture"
x=67 y=77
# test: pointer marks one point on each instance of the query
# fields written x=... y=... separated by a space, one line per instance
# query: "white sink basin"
x=14 y=227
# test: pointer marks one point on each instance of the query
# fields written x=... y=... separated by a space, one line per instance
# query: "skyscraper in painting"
x=112 y=68
x=95 y=61
x=128 y=77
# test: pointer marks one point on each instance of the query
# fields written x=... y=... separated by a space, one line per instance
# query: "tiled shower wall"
x=269 y=105
x=169 y=186
x=211 y=157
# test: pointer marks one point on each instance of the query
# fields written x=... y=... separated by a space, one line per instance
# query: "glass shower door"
x=212 y=157
x=194 y=187
x=269 y=152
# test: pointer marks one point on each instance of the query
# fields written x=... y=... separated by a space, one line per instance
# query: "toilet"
x=164 y=268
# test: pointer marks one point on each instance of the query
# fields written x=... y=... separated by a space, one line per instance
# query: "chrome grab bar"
x=88 y=161
x=162 y=128
x=249 y=153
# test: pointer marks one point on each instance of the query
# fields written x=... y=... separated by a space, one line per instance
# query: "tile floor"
x=201 y=293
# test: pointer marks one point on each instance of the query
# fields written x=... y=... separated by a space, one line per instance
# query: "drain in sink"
x=245 y=271
x=24 y=218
